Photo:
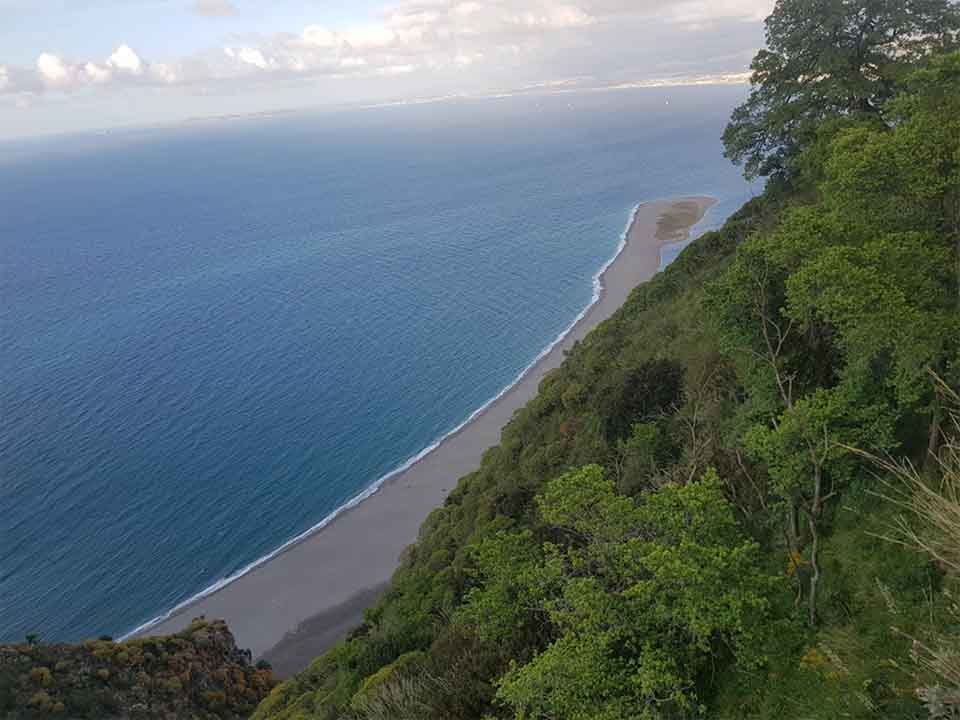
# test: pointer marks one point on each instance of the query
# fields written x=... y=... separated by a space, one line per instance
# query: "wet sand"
x=298 y=604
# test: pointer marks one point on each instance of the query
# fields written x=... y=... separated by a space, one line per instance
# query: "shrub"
x=41 y=676
x=41 y=701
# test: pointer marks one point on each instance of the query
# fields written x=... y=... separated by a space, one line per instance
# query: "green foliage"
x=889 y=302
x=517 y=575
x=675 y=566
x=372 y=688
x=199 y=673
x=641 y=456
x=854 y=665
x=825 y=59
x=815 y=436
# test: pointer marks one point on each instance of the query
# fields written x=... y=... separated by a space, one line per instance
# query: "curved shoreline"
x=268 y=601
x=598 y=290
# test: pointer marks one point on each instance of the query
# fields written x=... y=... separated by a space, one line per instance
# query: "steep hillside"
x=199 y=673
x=690 y=518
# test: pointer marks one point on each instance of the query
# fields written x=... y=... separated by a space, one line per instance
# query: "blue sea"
x=214 y=335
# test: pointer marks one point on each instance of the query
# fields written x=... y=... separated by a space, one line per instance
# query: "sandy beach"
x=298 y=604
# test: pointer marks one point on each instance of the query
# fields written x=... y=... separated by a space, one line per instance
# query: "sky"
x=68 y=65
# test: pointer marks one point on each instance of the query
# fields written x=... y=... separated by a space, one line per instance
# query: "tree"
x=932 y=110
x=634 y=394
x=905 y=177
x=638 y=458
x=640 y=598
x=889 y=304
x=807 y=454
x=778 y=360
x=829 y=58
x=892 y=290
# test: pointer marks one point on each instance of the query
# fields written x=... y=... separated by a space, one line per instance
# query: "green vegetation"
x=619 y=402
x=638 y=599
x=738 y=498
x=827 y=59
x=689 y=520
x=199 y=673
x=930 y=524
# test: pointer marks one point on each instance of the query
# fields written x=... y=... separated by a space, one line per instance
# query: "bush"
x=41 y=701
x=41 y=676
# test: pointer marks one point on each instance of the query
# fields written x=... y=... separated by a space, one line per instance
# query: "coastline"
x=297 y=601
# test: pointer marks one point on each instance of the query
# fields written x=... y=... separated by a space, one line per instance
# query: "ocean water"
x=212 y=336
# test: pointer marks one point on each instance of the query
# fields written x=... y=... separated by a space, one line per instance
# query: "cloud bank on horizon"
x=415 y=35
x=410 y=46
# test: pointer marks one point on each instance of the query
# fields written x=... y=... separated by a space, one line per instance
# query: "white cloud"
x=370 y=37
x=564 y=16
x=448 y=19
x=466 y=9
x=53 y=69
x=57 y=73
x=512 y=40
x=699 y=14
x=320 y=37
x=248 y=56
x=396 y=70
x=430 y=33
x=214 y=8
x=126 y=60
x=464 y=59
x=97 y=74
x=164 y=73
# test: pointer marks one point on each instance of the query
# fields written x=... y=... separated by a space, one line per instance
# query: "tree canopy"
x=636 y=598
x=829 y=58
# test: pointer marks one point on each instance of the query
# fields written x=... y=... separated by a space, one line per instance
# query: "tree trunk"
x=815 y=574
x=813 y=519
x=793 y=532
x=792 y=537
